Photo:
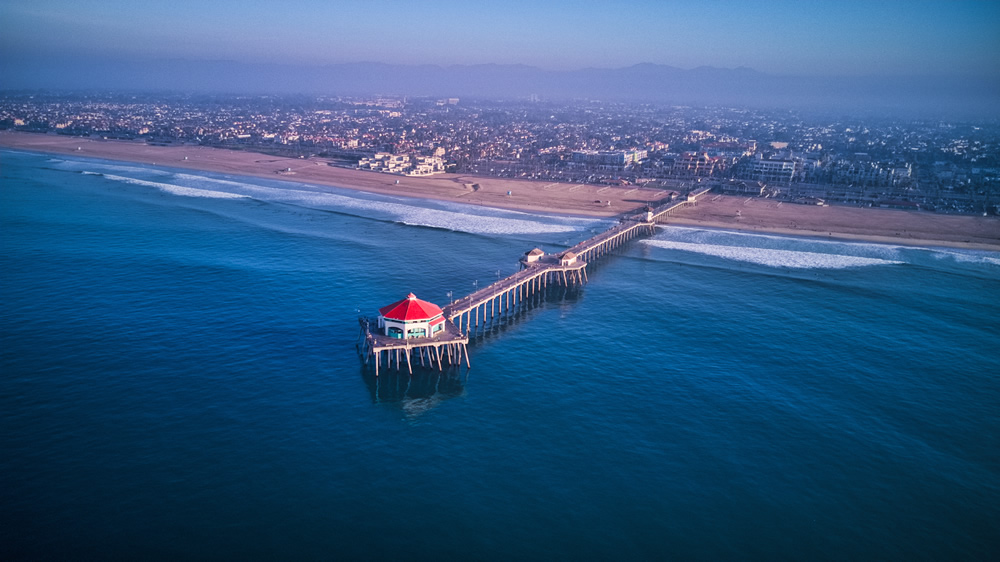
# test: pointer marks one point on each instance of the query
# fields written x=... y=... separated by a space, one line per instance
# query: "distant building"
x=613 y=158
x=698 y=164
x=736 y=187
x=773 y=171
x=861 y=170
x=729 y=152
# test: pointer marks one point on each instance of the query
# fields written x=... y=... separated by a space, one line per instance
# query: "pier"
x=441 y=351
x=487 y=306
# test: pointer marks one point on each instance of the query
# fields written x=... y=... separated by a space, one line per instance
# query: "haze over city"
x=778 y=37
x=923 y=55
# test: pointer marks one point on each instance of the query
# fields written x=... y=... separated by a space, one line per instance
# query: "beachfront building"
x=426 y=165
x=773 y=170
x=861 y=170
x=694 y=164
x=614 y=159
x=386 y=162
x=743 y=188
x=411 y=318
x=403 y=164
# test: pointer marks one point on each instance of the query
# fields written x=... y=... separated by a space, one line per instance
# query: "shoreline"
x=841 y=237
x=532 y=196
x=883 y=226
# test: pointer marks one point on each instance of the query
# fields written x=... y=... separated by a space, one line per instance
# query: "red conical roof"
x=410 y=308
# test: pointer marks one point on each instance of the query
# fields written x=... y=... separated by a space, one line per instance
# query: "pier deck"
x=446 y=347
x=487 y=306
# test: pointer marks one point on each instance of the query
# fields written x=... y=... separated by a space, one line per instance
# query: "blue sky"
x=845 y=38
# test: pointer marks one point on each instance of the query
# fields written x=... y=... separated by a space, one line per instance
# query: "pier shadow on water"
x=556 y=295
x=415 y=394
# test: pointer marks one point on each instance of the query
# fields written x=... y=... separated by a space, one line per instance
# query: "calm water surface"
x=180 y=380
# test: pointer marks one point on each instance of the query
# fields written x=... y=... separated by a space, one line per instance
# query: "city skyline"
x=929 y=38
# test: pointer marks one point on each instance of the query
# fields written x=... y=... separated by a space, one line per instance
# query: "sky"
x=796 y=38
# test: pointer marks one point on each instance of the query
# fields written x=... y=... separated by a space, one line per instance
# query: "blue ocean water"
x=180 y=380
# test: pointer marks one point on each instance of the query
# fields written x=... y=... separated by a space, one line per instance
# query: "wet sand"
x=756 y=215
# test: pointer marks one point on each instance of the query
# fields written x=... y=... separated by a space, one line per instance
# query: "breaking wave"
x=968 y=256
x=796 y=259
x=178 y=189
x=775 y=250
x=89 y=165
x=411 y=211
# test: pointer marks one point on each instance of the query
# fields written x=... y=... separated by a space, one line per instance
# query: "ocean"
x=180 y=380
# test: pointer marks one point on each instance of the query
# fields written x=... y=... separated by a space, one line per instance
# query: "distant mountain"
x=640 y=82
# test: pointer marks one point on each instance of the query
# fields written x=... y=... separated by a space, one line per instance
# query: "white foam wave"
x=968 y=256
x=416 y=215
x=460 y=219
x=457 y=217
x=178 y=189
x=216 y=181
x=100 y=167
x=779 y=241
x=770 y=257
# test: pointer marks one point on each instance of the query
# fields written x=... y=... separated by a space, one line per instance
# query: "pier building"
x=532 y=256
x=410 y=318
x=414 y=331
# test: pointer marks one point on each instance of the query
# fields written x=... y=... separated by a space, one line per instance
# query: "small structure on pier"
x=410 y=318
x=532 y=256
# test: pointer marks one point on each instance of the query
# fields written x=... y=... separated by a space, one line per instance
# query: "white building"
x=402 y=164
x=777 y=171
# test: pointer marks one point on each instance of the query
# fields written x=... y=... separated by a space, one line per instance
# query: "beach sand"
x=890 y=226
x=739 y=213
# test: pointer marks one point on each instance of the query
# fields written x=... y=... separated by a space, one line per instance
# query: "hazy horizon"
x=778 y=37
x=900 y=96
x=921 y=56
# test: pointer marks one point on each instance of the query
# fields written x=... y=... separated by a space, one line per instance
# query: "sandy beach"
x=756 y=215
x=890 y=226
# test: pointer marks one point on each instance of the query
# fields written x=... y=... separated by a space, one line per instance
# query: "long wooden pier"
x=489 y=305
x=507 y=295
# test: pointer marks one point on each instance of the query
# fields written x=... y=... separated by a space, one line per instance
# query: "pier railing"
x=491 y=304
x=506 y=295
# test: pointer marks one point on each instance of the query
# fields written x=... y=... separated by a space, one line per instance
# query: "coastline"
x=526 y=195
x=853 y=224
x=886 y=226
